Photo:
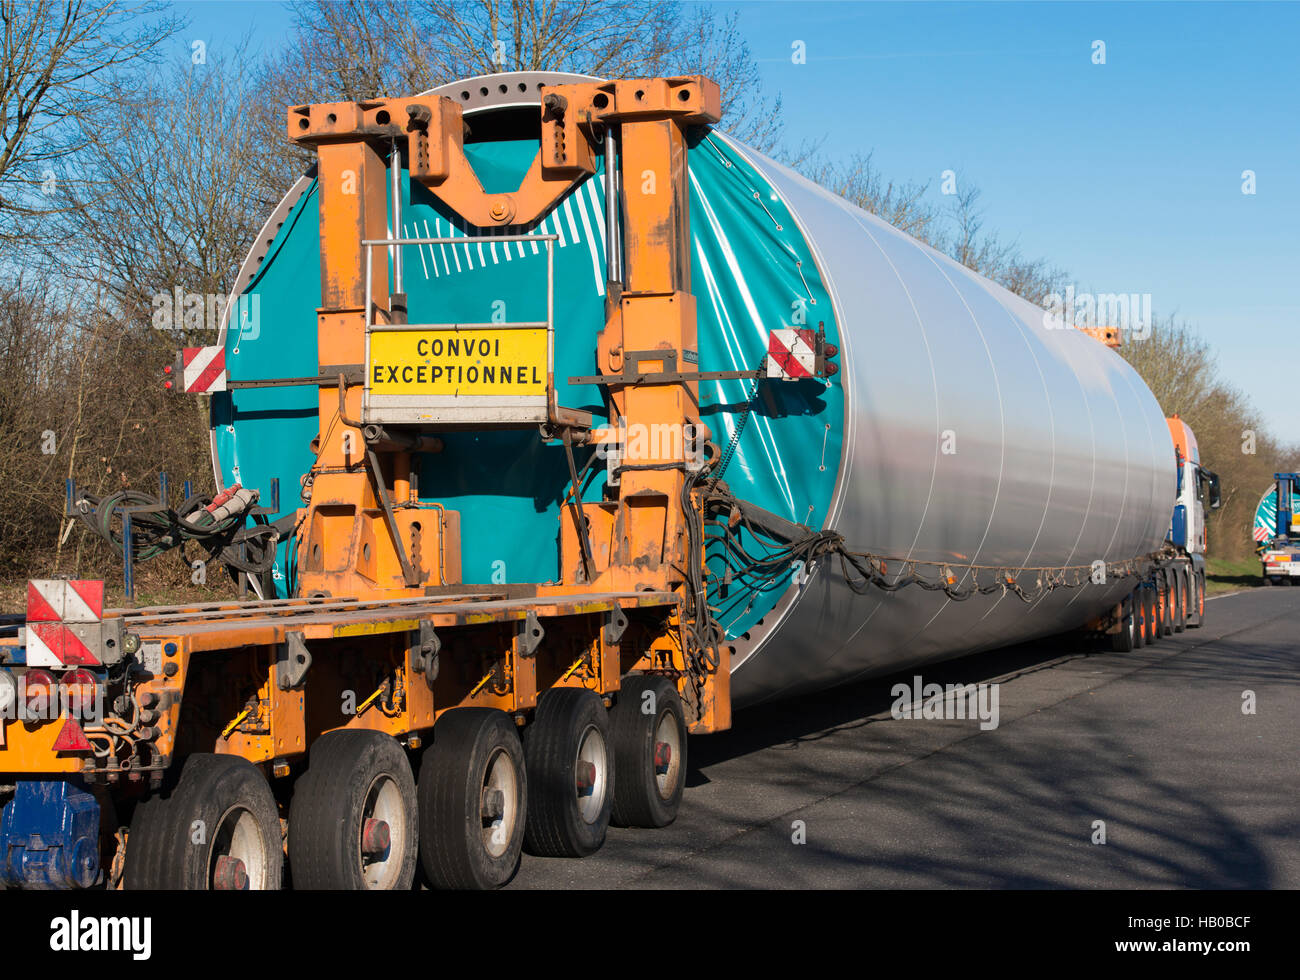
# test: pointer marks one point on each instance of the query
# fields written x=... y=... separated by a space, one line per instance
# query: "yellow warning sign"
x=458 y=363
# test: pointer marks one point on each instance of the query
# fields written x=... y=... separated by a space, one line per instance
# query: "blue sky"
x=1127 y=175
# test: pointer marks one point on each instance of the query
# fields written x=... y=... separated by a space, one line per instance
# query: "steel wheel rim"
x=500 y=775
x=383 y=802
x=239 y=836
x=666 y=732
x=591 y=749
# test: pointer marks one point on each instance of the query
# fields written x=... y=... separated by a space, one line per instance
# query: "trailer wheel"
x=1197 y=596
x=473 y=800
x=1180 y=599
x=1170 y=603
x=571 y=771
x=218 y=828
x=352 y=821
x=1157 y=613
x=1147 y=592
x=1193 y=619
x=649 y=738
x=1144 y=617
x=1126 y=640
x=1157 y=608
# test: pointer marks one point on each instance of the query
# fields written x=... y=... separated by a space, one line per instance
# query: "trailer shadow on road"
x=1162 y=762
x=1151 y=749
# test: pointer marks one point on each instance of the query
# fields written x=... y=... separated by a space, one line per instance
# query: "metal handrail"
x=370 y=244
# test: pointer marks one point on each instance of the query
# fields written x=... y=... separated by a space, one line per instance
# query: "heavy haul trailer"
x=507 y=598
x=1174 y=598
x=1277 y=530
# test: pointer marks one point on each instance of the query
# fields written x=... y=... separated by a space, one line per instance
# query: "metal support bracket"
x=633 y=375
x=615 y=625
x=410 y=576
x=579 y=515
x=292 y=661
x=424 y=653
x=530 y=634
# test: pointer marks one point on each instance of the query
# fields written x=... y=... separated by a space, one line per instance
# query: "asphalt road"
x=1193 y=792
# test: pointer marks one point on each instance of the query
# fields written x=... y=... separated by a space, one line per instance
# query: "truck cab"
x=1198 y=488
x=1278 y=541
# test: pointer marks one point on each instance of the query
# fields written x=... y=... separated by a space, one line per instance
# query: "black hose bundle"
x=155 y=528
x=863 y=570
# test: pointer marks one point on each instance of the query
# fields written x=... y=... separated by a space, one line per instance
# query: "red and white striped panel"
x=54 y=606
x=204 y=369
x=791 y=354
x=65 y=601
x=1261 y=533
x=56 y=645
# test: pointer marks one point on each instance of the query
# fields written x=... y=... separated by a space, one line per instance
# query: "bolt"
x=375 y=837
x=663 y=757
x=229 y=875
x=586 y=772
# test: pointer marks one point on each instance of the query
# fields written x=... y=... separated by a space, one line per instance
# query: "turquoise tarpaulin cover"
x=751 y=272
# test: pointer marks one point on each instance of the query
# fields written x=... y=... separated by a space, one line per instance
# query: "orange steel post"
x=653 y=329
x=347 y=548
x=640 y=539
x=351 y=546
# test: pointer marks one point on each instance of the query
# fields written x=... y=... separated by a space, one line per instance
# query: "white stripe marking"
x=38 y=654
x=591 y=249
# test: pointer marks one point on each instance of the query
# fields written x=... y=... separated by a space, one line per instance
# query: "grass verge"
x=1223 y=575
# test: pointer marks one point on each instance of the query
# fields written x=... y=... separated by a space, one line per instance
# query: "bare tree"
x=1179 y=368
x=172 y=203
x=360 y=49
x=859 y=182
x=991 y=256
x=63 y=79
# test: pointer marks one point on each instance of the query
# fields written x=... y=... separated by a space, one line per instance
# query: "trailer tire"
x=564 y=818
x=1138 y=605
x=1170 y=612
x=1180 y=599
x=1157 y=606
x=1150 y=597
x=1125 y=641
x=353 y=777
x=1198 y=600
x=649 y=789
x=473 y=749
x=1151 y=633
x=221 y=806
